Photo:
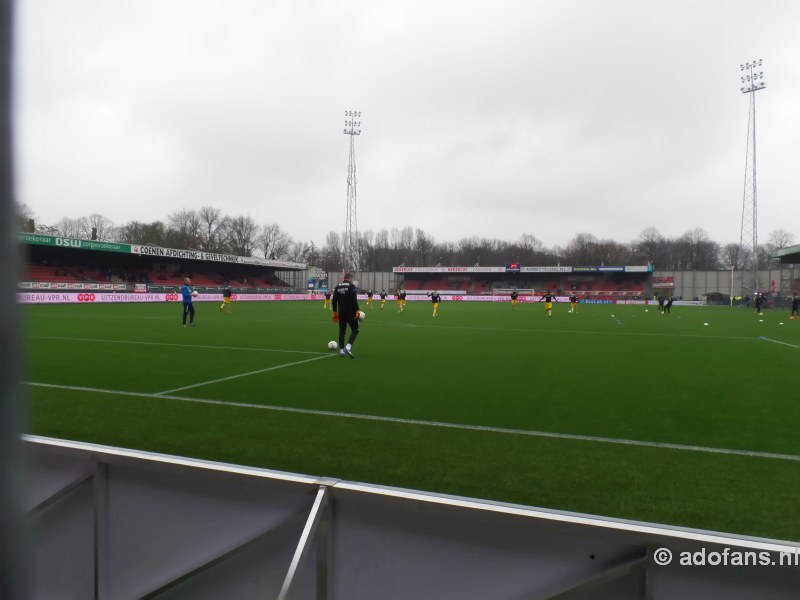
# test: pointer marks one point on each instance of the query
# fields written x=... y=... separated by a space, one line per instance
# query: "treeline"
x=210 y=230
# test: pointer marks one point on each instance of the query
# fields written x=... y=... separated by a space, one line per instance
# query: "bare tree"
x=210 y=228
x=71 y=228
x=366 y=250
x=649 y=246
x=26 y=220
x=780 y=239
x=273 y=243
x=301 y=252
x=240 y=235
x=530 y=244
x=488 y=251
x=402 y=239
x=184 y=229
x=312 y=255
x=732 y=256
x=529 y=250
x=609 y=252
x=581 y=250
x=382 y=239
x=468 y=251
x=423 y=248
x=765 y=260
x=696 y=251
x=385 y=254
x=97 y=227
x=136 y=232
x=445 y=253
x=333 y=252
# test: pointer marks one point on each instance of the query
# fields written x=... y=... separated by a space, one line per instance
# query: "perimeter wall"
x=687 y=284
x=693 y=284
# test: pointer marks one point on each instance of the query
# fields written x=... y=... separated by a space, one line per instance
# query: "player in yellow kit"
x=226 y=299
x=435 y=300
x=548 y=299
x=401 y=300
x=573 y=302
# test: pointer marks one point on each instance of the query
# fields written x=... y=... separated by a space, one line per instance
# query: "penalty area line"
x=444 y=425
x=766 y=339
x=229 y=378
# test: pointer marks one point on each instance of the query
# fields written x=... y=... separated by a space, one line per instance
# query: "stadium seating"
x=585 y=285
x=52 y=274
x=435 y=284
x=413 y=284
x=605 y=286
x=202 y=279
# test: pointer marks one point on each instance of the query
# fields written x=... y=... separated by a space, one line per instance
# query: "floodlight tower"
x=752 y=81
x=352 y=127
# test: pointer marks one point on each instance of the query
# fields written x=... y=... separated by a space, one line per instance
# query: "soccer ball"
x=194 y=294
x=332 y=345
x=361 y=315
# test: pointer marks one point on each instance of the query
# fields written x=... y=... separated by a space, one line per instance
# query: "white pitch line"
x=578 y=331
x=445 y=425
x=72 y=339
x=221 y=379
x=766 y=339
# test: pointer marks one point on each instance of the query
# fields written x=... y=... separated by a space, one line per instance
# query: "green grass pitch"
x=461 y=403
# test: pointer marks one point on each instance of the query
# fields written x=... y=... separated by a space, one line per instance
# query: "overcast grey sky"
x=492 y=119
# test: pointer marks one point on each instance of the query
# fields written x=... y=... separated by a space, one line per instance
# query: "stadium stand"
x=62 y=266
x=440 y=284
x=587 y=285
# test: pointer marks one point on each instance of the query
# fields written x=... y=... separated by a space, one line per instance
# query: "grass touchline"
x=425 y=423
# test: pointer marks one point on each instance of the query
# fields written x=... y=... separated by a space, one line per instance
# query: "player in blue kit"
x=188 y=305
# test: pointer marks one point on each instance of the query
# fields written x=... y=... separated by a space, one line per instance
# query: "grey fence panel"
x=392 y=549
x=114 y=523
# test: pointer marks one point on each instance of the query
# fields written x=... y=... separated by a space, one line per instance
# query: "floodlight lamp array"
x=752 y=81
x=351 y=125
x=752 y=65
x=753 y=77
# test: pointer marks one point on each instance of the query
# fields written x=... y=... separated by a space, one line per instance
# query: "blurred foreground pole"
x=13 y=563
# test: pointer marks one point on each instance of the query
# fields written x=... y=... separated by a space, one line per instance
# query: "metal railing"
x=116 y=523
